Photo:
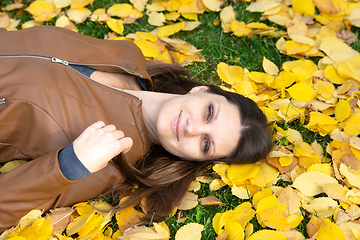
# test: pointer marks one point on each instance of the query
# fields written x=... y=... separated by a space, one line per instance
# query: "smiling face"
x=198 y=126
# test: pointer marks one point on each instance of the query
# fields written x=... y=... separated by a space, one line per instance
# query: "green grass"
x=216 y=47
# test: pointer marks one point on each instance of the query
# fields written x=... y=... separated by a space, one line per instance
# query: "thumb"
x=126 y=144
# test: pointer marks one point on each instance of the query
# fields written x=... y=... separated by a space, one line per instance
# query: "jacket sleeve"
x=29 y=186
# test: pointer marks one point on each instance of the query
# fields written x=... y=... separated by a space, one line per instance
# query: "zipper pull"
x=57 y=60
x=3 y=100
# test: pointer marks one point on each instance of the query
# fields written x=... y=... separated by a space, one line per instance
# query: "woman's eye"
x=210 y=112
x=206 y=144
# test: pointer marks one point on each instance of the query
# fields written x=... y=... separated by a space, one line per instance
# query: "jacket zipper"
x=66 y=63
x=3 y=100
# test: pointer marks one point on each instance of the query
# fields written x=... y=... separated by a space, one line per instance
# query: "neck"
x=151 y=104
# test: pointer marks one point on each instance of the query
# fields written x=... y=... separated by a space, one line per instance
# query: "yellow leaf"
x=245 y=88
x=268 y=235
x=265 y=192
x=173 y=16
x=189 y=201
x=261 y=6
x=301 y=92
x=309 y=183
x=168 y=30
x=235 y=230
x=293 y=135
x=239 y=28
x=331 y=74
x=322 y=207
x=297 y=28
x=304 y=70
x=139 y=4
x=240 y=192
x=13 y=6
x=11 y=165
x=239 y=173
x=143 y=233
x=284 y=79
x=342 y=110
x=40 y=229
x=162 y=229
x=78 y=15
x=42 y=10
x=94 y=222
x=329 y=230
x=99 y=15
x=216 y=184
x=190 y=16
x=214 y=6
x=64 y=22
x=156 y=18
x=291 y=199
x=116 y=25
x=335 y=191
x=350 y=229
x=146 y=36
x=352 y=126
x=319 y=119
x=273 y=218
x=351 y=175
x=121 y=10
x=304 y=7
x=230 y=74
x=242 y=214
x=80 y=3
x=191 y=231
x=191 y=25
x=149 y=49
x=326 y=89
x=337 y=50
x=270 y=67
x=325 y=6
x=270 y=202
x=260 y=77
x=227 y=15
x=220 y=220
x=266 y=175
x=293 y=47
x=181 y=46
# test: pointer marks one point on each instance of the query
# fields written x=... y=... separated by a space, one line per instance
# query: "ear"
x=199 y=89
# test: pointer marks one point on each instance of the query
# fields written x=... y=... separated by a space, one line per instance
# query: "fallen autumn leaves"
x=323 y=96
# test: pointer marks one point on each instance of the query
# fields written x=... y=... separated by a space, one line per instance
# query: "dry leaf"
x=210 y=200
x=191 y=231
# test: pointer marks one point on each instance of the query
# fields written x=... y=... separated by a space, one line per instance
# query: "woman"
x=88 y=131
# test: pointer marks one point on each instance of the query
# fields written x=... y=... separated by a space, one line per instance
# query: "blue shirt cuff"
x=70 y=165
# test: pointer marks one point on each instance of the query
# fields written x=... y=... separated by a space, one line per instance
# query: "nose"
x=194 y=128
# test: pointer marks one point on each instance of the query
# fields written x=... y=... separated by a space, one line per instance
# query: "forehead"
x=226 y=128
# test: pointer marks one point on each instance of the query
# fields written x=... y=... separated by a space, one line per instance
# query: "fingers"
x=126 y=144
x=98 y=124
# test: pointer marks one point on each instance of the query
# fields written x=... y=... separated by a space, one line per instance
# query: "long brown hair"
x=161 y=179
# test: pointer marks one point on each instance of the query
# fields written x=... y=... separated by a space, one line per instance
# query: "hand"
x=98 y=144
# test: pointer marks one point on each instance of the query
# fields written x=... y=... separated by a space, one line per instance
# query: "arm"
x=39 y=181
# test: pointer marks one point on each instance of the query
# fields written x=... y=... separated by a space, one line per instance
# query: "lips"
x=176 y=125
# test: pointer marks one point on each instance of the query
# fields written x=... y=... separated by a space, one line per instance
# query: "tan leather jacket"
x=45 y=105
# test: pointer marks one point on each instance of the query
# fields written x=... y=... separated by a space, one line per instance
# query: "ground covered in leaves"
x=299 y=60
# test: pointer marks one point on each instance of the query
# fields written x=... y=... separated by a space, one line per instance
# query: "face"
x=198 y=126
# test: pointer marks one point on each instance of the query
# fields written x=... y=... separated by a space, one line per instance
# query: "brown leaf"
x=60 y=218
x=204 y=179
x=291 y=199
x=210 y=200
x=351 y=161
x=313 y=225
x=347 y=35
